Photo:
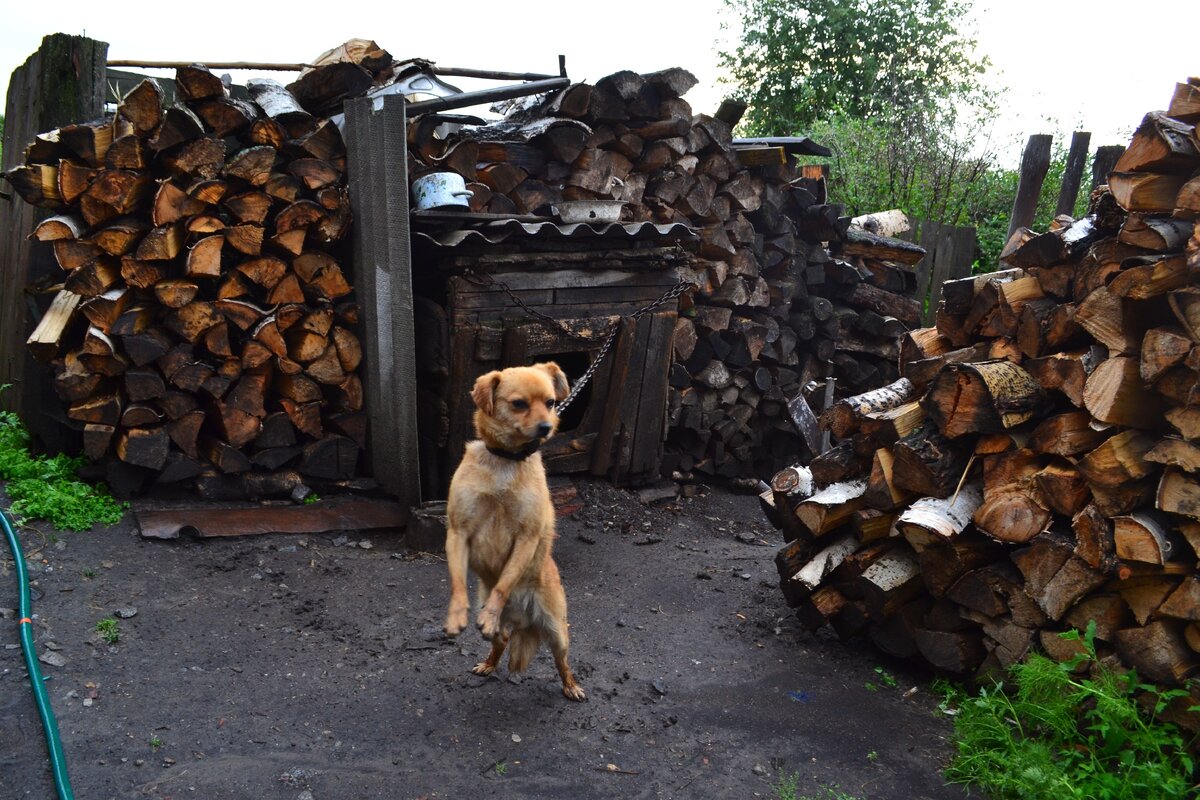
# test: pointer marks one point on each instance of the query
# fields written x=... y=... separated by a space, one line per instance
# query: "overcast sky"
x=1067 y=63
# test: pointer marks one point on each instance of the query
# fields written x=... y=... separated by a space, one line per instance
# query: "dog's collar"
x=516 y=455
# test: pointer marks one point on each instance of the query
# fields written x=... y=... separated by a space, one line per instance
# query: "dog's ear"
x=484 y=393
x=561 y=389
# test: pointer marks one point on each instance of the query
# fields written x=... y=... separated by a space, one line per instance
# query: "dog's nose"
x=543 y=429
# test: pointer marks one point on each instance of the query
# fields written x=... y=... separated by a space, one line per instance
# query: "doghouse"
x=512 y=293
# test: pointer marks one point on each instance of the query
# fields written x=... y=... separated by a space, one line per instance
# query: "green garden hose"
x=58 y=764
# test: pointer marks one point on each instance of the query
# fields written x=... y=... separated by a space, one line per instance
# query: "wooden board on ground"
x=356 y=514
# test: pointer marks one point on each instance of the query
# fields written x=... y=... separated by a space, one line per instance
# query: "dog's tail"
x=522 y=647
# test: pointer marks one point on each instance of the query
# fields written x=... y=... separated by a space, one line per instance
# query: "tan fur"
x=501 y=525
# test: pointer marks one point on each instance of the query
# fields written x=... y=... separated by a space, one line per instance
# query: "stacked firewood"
x=204 y=330
x=1034 y=470
x=784 y=293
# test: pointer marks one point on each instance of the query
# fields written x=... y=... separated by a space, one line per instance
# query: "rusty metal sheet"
x=358 y=514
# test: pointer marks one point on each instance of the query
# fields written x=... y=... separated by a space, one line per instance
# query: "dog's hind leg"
x=489 y=664
x=559 y=639
x=456 y=560
x=559 y=645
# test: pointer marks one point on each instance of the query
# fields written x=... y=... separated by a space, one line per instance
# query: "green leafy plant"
x=109 y=630
x=1053 y=734
x=89 y=573
x=885 y=677
x=500 y=768
x=787 y=787
x=312 y=498
x=872 y=756
x=46 y=487
x=155 y=741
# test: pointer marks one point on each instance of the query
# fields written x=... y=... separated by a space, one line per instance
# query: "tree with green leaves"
x=895 y=88
x=800 y=60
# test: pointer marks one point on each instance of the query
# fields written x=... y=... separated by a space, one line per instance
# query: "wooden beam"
x=377 y=154
x=1034 y=163
x=62 y=83
x=263 y=65
x=1106 y=158
x=1073 y=173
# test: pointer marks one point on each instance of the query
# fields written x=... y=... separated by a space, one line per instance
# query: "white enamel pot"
x=440 y=190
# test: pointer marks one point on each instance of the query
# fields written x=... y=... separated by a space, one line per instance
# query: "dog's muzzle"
x=543 y=429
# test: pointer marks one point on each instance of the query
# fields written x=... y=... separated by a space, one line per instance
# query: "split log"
x=932 y=521
x=928 y=463
x=847 y=413
x=830 y=507
x=985 y=397
x=1114 y=393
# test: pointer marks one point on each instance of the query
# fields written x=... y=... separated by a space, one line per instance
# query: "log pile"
x=204 y=329
x=1035 y=468
x=785 y=292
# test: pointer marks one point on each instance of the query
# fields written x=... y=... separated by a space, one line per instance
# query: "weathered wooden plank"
x=945 y=254
x=1073 y=173
x=62 y=83
x=1035 y=161
x=930 y=231
x=377 y=156
x=331 y=515
x=651 y=414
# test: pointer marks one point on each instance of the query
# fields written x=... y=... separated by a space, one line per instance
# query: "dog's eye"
x=550 y=403
x=520 y=405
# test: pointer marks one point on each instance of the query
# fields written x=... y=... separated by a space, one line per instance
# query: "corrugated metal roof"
x=509 y=230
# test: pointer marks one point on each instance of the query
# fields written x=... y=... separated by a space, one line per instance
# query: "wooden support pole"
x=377 y=156
x=259 y=65
x=63 y=82
x=1103 y=163
x=1034 y=164
x=1073 y=174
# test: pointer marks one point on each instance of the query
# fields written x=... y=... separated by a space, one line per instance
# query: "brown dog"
x=501 y=523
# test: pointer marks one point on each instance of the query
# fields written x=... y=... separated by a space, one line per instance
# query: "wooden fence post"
x=1034 y=164
x=930 y=231
x=1073 y=174
x=62 y=83
x=1106 y=159
x=377 y=154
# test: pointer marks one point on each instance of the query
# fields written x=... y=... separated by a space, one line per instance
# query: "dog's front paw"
x=483 y=668
x=488 y=622
x=574 y=692
x=456 y=620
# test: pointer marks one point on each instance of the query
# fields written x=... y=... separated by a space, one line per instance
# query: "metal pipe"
x=489 y=74
x=487 y=95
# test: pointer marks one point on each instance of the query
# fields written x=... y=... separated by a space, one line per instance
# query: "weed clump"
x=1055 y=735
x=46 y=487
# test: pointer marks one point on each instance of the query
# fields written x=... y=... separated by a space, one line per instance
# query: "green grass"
x=45 y=487
x=885 y=679
x=1050 y=734
x=89 y=573
x=156 y=742
x=500 y=767
x=109 y=630
x=788 y=785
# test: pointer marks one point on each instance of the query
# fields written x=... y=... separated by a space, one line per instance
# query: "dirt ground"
x=314 y=668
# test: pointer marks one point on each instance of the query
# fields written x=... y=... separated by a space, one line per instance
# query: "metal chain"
x=557 y=326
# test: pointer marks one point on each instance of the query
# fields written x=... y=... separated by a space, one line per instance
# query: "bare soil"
x=312 y=668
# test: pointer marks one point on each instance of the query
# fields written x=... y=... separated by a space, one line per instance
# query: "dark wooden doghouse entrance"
x=587 y=278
